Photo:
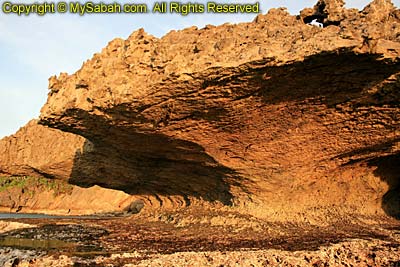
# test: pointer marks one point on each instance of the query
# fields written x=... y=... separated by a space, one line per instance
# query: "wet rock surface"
x=78 y=237
x=170 y=241
x=10 y=257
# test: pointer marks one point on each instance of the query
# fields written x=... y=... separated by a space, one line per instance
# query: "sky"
x=33 y=48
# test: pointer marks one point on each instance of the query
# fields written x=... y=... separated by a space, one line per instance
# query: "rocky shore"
x=172 y=240
x=269 y=143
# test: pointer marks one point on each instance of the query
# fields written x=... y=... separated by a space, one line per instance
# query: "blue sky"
x=33 y=48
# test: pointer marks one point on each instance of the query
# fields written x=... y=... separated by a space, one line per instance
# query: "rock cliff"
x=276 y=118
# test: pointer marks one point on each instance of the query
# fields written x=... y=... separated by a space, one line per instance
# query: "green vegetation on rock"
x=32 y=184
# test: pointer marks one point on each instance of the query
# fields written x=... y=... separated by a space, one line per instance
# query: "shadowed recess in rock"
x=372 y=152
x=151 y=164
x=388 y=169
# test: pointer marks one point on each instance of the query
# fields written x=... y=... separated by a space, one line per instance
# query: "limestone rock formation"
x=275 y=117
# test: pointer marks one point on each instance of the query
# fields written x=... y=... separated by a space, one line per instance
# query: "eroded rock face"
x=275 y=117
x=36 y=150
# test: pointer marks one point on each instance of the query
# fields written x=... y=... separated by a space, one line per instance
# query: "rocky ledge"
x=275 y=118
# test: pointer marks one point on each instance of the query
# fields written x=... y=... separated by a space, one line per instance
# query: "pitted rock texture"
x=275 y=117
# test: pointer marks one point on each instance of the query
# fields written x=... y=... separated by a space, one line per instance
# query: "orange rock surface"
x=275 y=118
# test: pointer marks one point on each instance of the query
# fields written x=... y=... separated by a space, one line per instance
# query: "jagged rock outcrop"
x=275 y=117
